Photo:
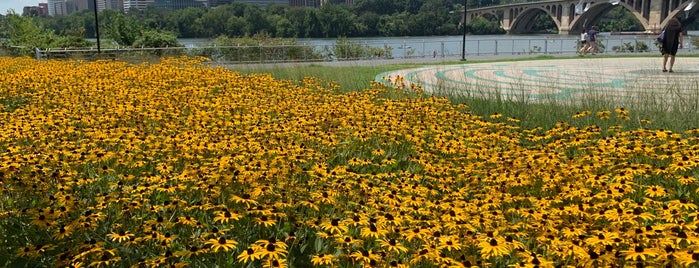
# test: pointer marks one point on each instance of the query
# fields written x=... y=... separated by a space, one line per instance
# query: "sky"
x=17 y=5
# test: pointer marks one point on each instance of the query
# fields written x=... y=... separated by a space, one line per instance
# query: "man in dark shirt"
x=592 y=35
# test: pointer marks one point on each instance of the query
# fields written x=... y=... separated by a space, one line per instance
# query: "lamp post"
x=97 y=28
x=463 y=41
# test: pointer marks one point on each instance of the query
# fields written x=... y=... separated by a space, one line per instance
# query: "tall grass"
x=515 y=102
x=673 y=109
x=348 y=78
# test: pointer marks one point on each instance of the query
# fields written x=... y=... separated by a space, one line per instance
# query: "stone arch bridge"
x=572 y=16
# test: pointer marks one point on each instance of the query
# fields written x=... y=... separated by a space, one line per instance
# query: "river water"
x=442 y=46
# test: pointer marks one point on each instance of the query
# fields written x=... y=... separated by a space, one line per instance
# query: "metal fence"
x=363 y=50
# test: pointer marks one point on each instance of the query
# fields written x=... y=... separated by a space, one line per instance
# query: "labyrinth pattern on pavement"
x=619 y=79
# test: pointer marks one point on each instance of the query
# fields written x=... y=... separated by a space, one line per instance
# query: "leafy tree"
x=337 y=21
x=411 y=6
x=120 y=28
x=235 y=26
x=311 y=24
x=394 y=25
x=619 y=19
x=25 y=34
x=381 y=7
x=188 y=22
x=481 y=25
x=370 y=20
x=214 y=21
x=544 y=23
x=276 y=9
x=256 y=20
x=296 y=17
x=433 y=15
x=153 y=38
x=281 y=26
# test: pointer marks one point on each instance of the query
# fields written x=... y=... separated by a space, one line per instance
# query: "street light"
x=463 y=42
x=97 y=28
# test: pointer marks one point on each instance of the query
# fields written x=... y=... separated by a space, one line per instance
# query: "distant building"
x=66 y=7
x=137 y=4
x=57 y=8
x=179 y=4
x=325 y=2
x=31 y=11
x=110 y=4
x=71 y=6
x=43 y=9
x=215 y=3
x=305 y=3
x=263 y=2
x=85 y=5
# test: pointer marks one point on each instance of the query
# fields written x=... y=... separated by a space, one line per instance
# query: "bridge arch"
x=680 y=10
x=595 y=13
x=525 y=18
x=518 y=18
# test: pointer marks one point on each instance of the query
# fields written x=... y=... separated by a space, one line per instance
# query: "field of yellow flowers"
x=175 y=164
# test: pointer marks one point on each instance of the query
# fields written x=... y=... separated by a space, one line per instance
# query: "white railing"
x=367 y=51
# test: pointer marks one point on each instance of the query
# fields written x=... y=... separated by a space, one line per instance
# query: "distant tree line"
x=362 y=19
x=154 y=27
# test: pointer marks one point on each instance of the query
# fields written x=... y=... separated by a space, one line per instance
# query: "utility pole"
x=97 y=28
x=463 y=42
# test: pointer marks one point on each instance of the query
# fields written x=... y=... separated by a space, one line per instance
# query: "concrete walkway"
x=629 y=80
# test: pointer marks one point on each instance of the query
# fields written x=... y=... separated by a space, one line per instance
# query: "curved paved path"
x=618 y=79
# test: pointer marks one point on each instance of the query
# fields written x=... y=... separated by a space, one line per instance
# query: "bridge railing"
x=367 y=51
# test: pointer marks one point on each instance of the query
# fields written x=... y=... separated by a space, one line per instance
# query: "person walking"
x=673 y=39
x=583 y=42
x=592 y=36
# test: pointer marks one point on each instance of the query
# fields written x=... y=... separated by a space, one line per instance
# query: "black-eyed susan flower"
x=639 y=253
x=62 y=231
x=364 y=256
x=43 y=219
x=266 y=221
x=655 y=191
x=249 y=255
x=221 y=244
x=347 y=241
x=107 y=259
x=121 y=236
x=391 y=245
x=334 y=226
x=27 y=251
x=323 y=259
x=491 y=247
x=189 y=252
x=225 y=216
x=372 y=231
x=271 y=248
x=187 y=220
x=448 y=243
x=274 y=263
x=247 y=198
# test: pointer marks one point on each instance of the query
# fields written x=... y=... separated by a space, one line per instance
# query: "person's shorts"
x=583 y=42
